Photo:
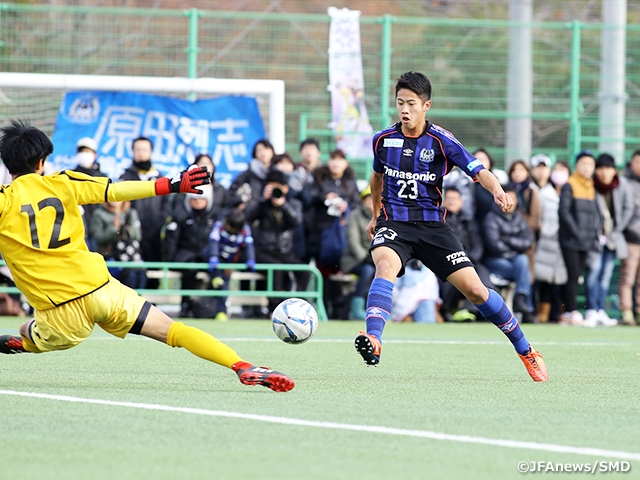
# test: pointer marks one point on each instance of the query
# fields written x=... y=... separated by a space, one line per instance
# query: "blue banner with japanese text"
x=226 y=128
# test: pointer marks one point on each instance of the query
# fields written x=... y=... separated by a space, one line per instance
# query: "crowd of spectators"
x=567 y=227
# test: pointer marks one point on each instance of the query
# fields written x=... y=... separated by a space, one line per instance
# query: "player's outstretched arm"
x=489 y=181
x=185 y=182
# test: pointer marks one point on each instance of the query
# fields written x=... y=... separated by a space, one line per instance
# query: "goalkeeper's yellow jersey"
x=42 y=236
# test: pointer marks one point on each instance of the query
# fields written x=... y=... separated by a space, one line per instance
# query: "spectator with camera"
x=276 y=217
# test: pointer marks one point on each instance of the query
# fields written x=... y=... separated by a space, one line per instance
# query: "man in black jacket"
x=276 y=216
x=466 y=227
x=507 y=236
x=152 y=210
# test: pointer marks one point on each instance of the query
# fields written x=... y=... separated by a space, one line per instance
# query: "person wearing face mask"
x=153 y=210
x=580 y=224
x=549 y=269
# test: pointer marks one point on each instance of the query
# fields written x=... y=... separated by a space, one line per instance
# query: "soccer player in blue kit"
x=410 y=160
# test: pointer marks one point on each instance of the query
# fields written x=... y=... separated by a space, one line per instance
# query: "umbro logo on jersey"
x=407 y=152
x=427 y=156
x=393 y=142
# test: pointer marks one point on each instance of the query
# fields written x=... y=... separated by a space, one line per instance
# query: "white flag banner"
x=349 y=119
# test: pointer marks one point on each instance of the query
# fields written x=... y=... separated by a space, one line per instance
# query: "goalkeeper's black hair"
x=235 y=219
x=22 y=146
x=417 y=82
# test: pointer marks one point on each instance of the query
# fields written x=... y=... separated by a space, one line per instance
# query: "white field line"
x=546 y=447
x=399 y=341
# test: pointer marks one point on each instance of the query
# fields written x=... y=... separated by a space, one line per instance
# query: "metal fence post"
x=575 y=127
x=385 y=70
x=192 y=48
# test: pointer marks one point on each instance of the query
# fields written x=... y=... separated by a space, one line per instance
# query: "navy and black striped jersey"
x=413 y=168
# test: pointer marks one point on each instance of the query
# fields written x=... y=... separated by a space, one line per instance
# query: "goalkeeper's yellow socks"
x=201 y=344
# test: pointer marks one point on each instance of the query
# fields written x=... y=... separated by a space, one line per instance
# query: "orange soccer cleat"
x=369 y=347
x=535 y=365
x=252 y=375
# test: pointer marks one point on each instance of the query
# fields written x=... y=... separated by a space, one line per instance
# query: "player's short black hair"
x=265 y=143
x=309 y=141
x=141 y=139
x=417 y=82
x=276 y=176
x=23 y=146
x=235 y=219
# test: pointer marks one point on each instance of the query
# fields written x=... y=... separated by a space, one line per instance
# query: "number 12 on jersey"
x=56 y=204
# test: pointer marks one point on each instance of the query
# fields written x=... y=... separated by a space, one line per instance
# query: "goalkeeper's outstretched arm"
x=185 y=182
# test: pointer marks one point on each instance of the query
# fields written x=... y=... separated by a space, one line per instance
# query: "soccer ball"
x=294 y=320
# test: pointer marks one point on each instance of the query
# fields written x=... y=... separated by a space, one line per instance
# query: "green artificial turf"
x=460 y=380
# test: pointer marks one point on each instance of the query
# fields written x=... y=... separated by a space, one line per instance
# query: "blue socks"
x=497 y=312
x=378 y=306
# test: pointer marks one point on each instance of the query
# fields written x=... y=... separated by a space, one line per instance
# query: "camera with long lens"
x=277 y=192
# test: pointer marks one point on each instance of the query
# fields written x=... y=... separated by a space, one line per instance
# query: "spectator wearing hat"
x=616 y=205
x=629 y=271
x=86 y=157
x=550 y=272
x=356 y=258
x=580 y=224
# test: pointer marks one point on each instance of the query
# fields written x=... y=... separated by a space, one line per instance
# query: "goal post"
x=273 y=89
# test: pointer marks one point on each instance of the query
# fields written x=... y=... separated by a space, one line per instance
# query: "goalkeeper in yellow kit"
x=42 y=241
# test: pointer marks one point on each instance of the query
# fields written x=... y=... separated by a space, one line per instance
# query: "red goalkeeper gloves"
x=186 y=182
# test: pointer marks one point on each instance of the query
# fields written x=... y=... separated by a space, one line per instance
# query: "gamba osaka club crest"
x=427 y=155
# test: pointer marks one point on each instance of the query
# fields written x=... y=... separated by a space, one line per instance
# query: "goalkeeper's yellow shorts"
x=116 y=308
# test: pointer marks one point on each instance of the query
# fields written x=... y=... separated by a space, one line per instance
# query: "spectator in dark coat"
x=153 y=210
x=467 y=230
x=276 y=217
x=630 y=271
x=580 y=223
x=286 y=165
x=249 y=184
x=187 y=238
x=615 y=203
x=507 y=237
